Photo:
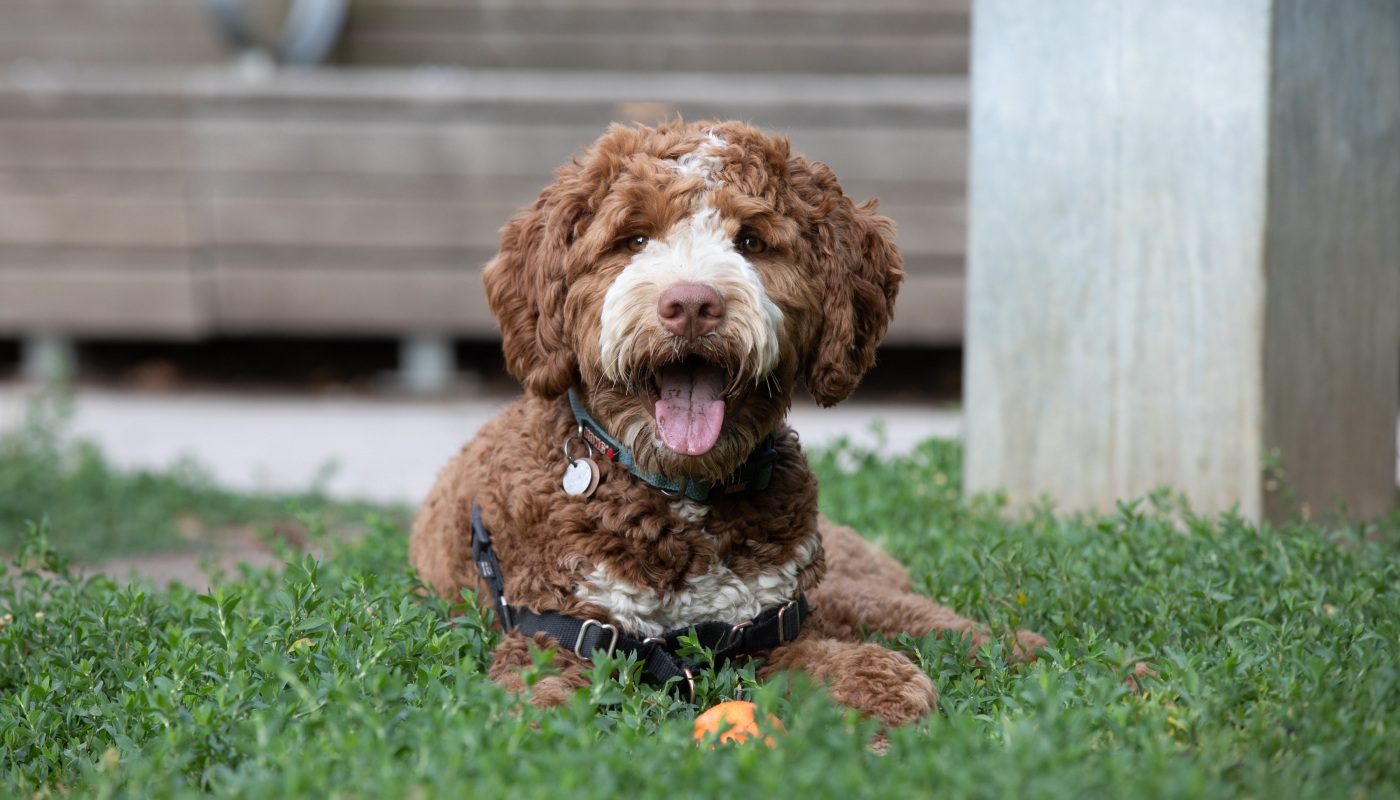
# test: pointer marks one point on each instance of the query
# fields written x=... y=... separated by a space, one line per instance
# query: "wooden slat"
x=924 y=230
x=404 y=212
x=938 y=156
x=101 y=301
x=931 y=310
x=358 y=222
x=62 y=208
x=140 y=32
x=387 y=302
x=481 y=149
x=901 y=192
x=94 y=258
x=498 y=96
x=94 y=143
x=389 y=147
x=489 y=188
x=957 y=7
x=385 y=147
x=891 y=54
x=669 y=6
x=88 y=183
x=235 y=258
x=35 y=220
x=511 y=190
x=929 y=230
x=146 y=117
x=699 y=21
x=324 y=294
x=100 y=50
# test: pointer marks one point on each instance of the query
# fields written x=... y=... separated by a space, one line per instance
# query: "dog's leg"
x=851 y=609
x=512 y=657
x=866 y=591
x=867 y=677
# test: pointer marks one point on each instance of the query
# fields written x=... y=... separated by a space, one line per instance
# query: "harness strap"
x=661 y=662
x=490 y=568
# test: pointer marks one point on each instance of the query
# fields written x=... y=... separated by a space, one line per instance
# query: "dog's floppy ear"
x=526 y=284
x=860 y=270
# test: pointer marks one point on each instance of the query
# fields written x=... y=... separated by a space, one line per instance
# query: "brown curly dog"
x=660 y=302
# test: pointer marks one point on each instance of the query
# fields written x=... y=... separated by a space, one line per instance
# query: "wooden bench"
x=912 y=37
x=184 y=201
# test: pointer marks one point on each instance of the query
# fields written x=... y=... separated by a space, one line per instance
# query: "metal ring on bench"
x=307 y=36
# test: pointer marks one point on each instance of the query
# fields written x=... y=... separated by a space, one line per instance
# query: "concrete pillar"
x=1184 y=252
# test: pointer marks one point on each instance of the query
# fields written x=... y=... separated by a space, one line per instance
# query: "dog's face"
x=683 y=279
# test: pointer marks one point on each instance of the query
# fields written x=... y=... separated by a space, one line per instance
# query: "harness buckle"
x=583 y=634
x=782 y=628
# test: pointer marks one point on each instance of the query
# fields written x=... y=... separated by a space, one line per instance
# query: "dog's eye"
x=634 y=243
x=752 y=245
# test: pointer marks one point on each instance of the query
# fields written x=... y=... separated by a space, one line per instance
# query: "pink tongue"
x=690 y=411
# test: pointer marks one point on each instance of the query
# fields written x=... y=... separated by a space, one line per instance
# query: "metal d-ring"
x=579 y=437
x=734 y=631
x=690 y=683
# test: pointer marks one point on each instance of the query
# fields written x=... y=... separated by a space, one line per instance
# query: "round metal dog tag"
x=581 y=477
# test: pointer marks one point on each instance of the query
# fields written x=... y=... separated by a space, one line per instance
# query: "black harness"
x=659 y=656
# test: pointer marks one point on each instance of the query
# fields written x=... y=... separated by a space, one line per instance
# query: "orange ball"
x=736 y=718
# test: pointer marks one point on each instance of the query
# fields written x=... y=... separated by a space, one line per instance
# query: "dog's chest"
x=717 y=593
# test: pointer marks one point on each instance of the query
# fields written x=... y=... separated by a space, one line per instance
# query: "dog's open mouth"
x=687 y=399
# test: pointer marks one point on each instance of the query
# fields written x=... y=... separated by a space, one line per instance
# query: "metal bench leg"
x=47 y=358
x=427 y=363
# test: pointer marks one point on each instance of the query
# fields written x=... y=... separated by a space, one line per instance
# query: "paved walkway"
x=370 y=448
x=373 y=448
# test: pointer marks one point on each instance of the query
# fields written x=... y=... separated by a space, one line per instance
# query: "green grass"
x=95 y=511
x=1277 y=651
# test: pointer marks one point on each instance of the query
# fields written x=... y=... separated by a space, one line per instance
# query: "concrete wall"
x=1182 y=251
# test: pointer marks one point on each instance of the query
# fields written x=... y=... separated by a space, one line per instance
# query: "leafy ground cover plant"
x=95 y=511
x=1276 y=651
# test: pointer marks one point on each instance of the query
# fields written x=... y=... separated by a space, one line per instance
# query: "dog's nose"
x=690 y=310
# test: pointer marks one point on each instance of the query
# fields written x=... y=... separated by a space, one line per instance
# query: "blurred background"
x=240 y=218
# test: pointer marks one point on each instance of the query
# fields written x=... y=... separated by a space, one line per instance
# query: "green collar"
x=752 y=476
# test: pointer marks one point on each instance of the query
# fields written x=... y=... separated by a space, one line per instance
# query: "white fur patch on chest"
x=716 y=595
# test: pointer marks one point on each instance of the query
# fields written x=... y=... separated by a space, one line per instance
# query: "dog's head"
x=683 y=279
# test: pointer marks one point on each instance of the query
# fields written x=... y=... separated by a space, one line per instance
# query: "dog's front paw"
x=881 y=683
x=1019 y=651
x=1023 y=650
x=551 y=691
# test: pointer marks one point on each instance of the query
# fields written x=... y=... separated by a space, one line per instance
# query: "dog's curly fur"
x=805 y=283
